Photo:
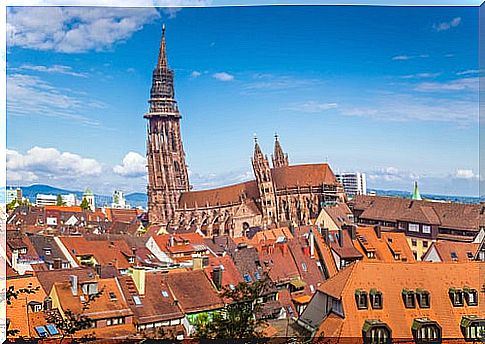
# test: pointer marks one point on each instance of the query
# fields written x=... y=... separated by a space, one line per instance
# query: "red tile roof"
x=303 y=176
x=220 y=196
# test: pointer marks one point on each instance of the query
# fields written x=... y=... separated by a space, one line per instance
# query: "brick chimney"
x=217 y=277
x=377 y=229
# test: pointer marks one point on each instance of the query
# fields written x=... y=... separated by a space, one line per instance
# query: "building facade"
x=279 y=194
x=354 y=183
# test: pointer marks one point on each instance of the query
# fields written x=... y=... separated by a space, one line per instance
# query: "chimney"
x=341 y=237
x=47 y=304
x=138 y=276
x=377 y=229
x=73 y=280
x=217 y=277
x=352 y=230
x=97 y=267
x=312 y=244
x=171 y=241
x=325 y=235
x=57 y=263
x=197 y=263
x=284 y=248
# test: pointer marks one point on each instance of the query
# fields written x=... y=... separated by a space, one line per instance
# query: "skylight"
x=164 y=293
x=136 y=300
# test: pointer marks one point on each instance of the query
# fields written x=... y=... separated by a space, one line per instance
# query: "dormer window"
x=112 y=296
x=361 y=299
x=426 y=331
x=376 y=332
x=371 y=254
x=408 y=298
x=375 y=298
x=423 y=298
x=456 y=297
x=473 y=328
x=471 y=296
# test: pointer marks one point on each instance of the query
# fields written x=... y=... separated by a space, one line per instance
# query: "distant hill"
x=406 y=194
x=136 y=199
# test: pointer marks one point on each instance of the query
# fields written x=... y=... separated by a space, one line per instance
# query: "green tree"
x=238 y=319
x=84 y=204
x=60 y=201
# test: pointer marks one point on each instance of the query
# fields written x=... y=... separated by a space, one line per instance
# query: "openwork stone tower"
x=167 y=171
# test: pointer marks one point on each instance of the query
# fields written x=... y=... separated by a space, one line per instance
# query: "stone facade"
x=279 y=195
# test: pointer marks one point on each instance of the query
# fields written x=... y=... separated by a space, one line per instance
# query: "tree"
x=238 y=319
x=15 y=203
x=84 y=204
x=70 y=323
x=60 y=201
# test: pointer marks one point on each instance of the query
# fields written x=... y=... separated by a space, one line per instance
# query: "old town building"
x=280 y=194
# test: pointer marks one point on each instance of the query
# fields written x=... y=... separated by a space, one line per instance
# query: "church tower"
x=279 y=158
x=167 y=171
x=262 y=172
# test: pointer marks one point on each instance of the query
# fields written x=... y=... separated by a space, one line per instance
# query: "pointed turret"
x=258 y=153
x=416 y=194
x=279 y=157
x=162 y=55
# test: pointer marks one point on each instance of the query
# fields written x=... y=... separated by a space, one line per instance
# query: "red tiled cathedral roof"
x=303 y=176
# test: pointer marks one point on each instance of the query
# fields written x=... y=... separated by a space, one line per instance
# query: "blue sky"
x=390 y=91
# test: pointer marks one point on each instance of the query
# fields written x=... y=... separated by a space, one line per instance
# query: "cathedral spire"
x=162 y=55
x=258 y=153
x=279 y=157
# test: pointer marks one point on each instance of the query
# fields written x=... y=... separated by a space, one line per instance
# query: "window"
x=361 y=299
x=426 y=331
x=112 y=296
x=136 y=300
x=164 y=293
x=414 y=243
x=408 y=298
x=456 y=297
x=413 y=227
x=471 y=296
x=425 y=243
x=454 y=256
x=472 y=328
x=423 y=298
x=376 y=332
x=375 y=298
x=469 y=255
x=426 y=229
x=115 y=321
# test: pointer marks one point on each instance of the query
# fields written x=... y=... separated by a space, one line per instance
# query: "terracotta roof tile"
x=450 y=251
x=303 y=175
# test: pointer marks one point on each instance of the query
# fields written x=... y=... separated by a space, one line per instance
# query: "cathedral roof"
x=303 y=175
x=221 y=196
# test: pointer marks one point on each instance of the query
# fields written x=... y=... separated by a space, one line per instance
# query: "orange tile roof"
x=194 y=291
x=271 y=235
x=327 y=256
x=303 y=175
x=17 y=311
x=102 y=307
x=230 y=274
x=71 y=209
x=390 y=279
x=220 y=196
x=385 y=248
x=105 y=252
x=460 y=249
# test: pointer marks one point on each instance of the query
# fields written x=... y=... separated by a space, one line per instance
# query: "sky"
x=389 y=91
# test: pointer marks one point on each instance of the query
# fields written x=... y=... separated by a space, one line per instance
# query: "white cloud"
x=465 y=174
x=404 y=108
x=311 y=107
x=74 y=29
x=408 y=57
x=463 y=84
x=133 y=166
x=270 y=82
x=391 y=174
x=50 y=163
x=223 y=76
x=421 y=75
x=59 y=69
x=444 y=26
x=31 y=96
x=195 y=74
x=213 y=180
x=469 y=71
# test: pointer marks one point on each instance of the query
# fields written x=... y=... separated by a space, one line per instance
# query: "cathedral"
x=280 y=194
